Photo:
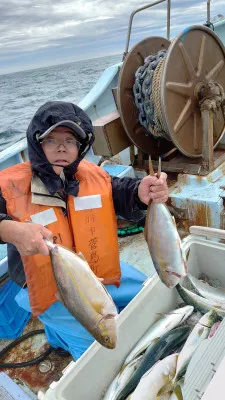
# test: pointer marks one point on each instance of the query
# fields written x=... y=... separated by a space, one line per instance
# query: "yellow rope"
x=160 y=128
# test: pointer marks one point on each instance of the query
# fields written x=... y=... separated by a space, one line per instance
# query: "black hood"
x=47 y=115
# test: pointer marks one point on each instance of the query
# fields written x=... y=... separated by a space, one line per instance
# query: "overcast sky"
x=36 y=33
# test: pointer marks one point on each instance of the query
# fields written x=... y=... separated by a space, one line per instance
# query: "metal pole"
x=207 y=140
x=144 y=8
x=168 y=18
x=208 y=13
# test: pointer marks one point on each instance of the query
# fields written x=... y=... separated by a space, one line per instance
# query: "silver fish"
x=160 y=348
x=154 y=379
x=164 y=242
x=121 y=379
x=83 y=294
x=160 y=327
x=199 y=333
x=198 y=302
x=209 y=292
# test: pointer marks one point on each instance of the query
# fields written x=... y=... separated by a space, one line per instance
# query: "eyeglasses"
x=53 y=143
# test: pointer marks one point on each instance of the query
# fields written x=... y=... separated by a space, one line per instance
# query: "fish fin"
x=81 y=256
x=178 y=392
x=167 y=388
x=188 y=254
x=146 y=222
x=109 y=295
x=98 y=307
x=191 y=279
x=160 y=314
x=173 y=219
x=155 y=340
x=123 y=368
x=145 y=231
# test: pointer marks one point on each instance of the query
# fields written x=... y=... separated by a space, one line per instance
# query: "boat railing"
x=208 y=22
x=144 y=8
x=14 y=154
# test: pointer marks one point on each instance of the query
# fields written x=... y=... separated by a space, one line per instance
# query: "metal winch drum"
x=194 y=58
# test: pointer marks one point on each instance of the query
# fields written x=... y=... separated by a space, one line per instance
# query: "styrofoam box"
x=89 y=377
x=119 y=170
x=3 y=261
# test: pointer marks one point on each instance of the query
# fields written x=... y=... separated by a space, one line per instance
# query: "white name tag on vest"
x=87 y=202
x=44 y=217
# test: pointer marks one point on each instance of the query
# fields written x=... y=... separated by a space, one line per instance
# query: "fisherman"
x=74 y=203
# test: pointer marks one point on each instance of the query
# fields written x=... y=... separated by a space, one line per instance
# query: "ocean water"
x=23 y=92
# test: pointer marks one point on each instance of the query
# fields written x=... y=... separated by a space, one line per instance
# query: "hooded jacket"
x=47 y=115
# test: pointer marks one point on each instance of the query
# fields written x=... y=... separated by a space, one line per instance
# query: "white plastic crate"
x=89 y=377
x=119 y=170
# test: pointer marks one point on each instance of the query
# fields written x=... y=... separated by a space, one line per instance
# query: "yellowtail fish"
x=199 y=333
x=159 y=328
x=199 y=303
x=154 y=379
x=164 y=242
x=83 y=294
x=121 y=379
x=160 y=348
x=209 y=292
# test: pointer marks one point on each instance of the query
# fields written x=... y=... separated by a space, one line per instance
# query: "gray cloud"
x=44 y=32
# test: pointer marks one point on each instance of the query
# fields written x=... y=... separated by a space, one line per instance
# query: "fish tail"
x=167 y=388
x=178 y=392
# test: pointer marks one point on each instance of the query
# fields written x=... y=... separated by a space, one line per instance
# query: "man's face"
x=60 y=147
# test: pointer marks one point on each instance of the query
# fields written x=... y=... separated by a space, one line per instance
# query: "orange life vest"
x=92 y=231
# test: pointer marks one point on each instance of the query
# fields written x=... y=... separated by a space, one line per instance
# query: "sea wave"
x=23 y=92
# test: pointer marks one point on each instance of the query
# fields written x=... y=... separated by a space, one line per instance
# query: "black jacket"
x=126 y=204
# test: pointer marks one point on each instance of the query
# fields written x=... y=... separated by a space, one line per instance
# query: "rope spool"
x=156 y=99
x=195 y=58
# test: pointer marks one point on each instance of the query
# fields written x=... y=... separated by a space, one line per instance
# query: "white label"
x=87 y=202
x=44 y=217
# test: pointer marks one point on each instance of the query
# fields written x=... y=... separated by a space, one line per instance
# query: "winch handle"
x=208 y=232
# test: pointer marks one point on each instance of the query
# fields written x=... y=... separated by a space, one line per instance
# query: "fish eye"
x=107 y=339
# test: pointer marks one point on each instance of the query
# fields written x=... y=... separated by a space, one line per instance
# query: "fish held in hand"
x=83 y=294
x=164 y=242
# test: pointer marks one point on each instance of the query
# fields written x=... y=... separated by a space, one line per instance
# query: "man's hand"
x=153 y=188
x=27 y=237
